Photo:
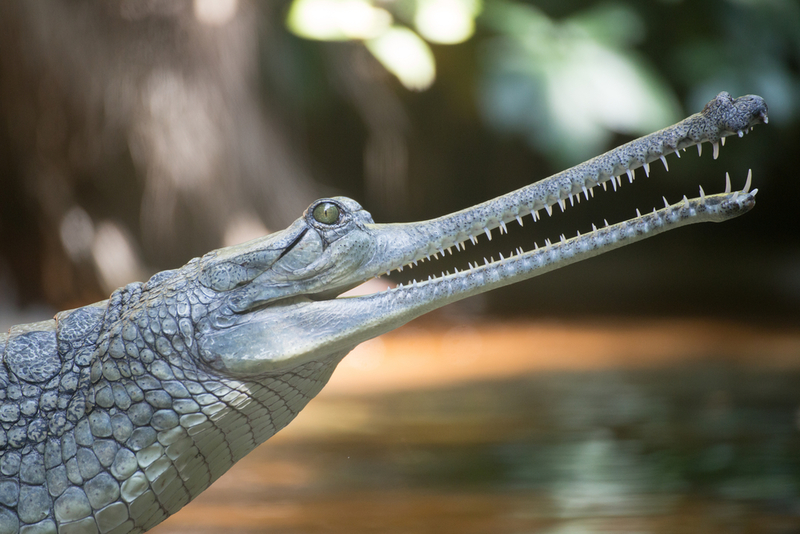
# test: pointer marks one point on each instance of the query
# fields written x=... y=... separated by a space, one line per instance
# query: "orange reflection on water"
x=424 y=355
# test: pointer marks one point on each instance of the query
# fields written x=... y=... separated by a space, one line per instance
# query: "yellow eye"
x=326 y=213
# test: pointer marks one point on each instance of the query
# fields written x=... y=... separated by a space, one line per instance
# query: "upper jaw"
x=399 y=245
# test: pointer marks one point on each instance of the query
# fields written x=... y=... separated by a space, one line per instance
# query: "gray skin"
x=117 y=414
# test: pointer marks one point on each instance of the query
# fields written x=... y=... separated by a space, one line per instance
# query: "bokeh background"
x=655 y=387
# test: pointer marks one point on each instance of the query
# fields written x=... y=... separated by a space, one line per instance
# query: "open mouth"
x=723 y=116
x=728 y=204
x=306 y=322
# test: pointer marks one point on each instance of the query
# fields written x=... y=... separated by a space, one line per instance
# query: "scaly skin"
x=116 y=415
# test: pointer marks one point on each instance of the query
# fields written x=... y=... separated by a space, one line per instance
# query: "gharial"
x=115 y=415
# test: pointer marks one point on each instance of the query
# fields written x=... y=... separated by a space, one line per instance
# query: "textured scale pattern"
x=108 y=423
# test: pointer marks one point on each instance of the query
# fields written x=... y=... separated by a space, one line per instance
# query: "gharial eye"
x=326 y=213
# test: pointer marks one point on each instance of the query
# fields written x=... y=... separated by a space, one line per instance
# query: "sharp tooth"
x=458 y=247
x=637 y=213
x=436 y=255
x=727 y=183
x=549 y=209
x=585 y=192
x=619 y=181
x=604 y=186
x=485 y=261
x=754 y=192
x=535 y=215
x=749 y=181
x=664 y=161
x=594 y=228
x=474 y=241
x=591 y=192
x=578 y=234
x=741 y=133
x=428 y=257
x=631 y=176
x=563 y=238
x=614 y=183
x=441 y=251
x=547 y=242
x=678 y=153
x=450 y=250
x=666 y=204
x=562 y=205
x=400 y=269
x=735 y=195
x=572 y=200
x=702 y=194
x=503 y=227
x=699 y=149
x=647 y=169
x=519 y=220
x=501 y=256
x=606 y=221
x=488 y=233
x=723 y=141
x=387 y=273
x=686 y=201
x=716 y=149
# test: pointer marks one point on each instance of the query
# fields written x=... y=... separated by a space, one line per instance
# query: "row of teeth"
x=519 y=251
x=616 y=181
x=548 y=243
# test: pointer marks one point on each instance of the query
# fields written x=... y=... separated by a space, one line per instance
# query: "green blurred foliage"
x=568 y=76
x=569 y=85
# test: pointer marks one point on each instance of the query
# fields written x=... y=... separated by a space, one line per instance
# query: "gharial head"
x=274 y=303
x=313 y=256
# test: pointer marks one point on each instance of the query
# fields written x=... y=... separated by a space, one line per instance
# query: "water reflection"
x=704 y=445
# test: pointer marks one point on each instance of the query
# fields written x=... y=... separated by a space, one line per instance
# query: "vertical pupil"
x=326 y=213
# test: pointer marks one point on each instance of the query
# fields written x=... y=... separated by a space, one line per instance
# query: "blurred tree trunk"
x=132 y=137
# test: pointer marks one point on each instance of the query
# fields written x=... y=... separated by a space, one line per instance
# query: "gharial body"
x=115 y=415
